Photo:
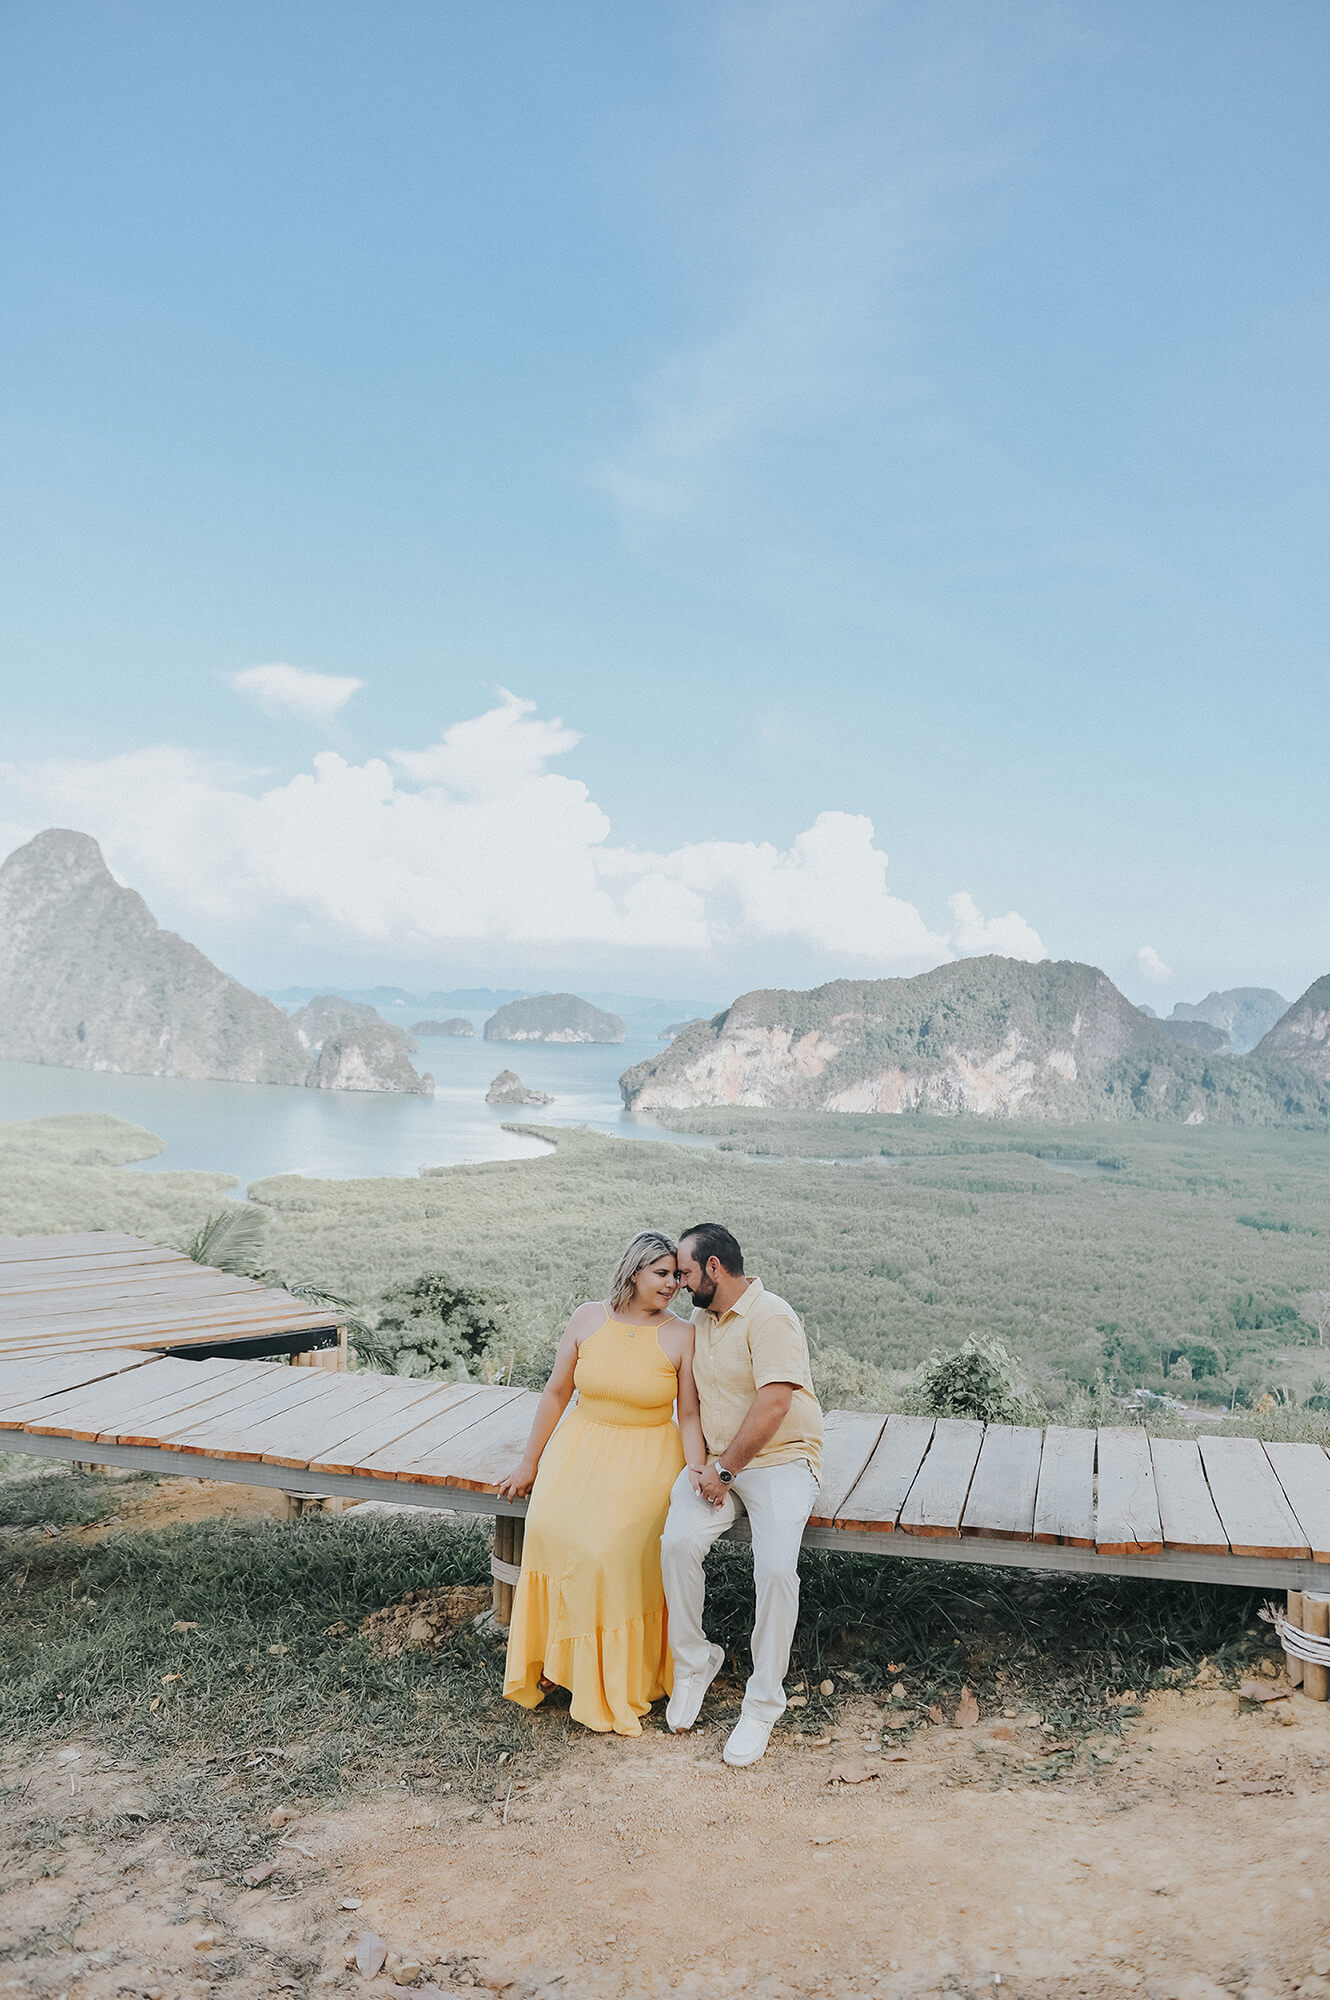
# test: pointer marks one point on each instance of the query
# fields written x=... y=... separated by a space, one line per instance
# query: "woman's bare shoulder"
x=587 y=1317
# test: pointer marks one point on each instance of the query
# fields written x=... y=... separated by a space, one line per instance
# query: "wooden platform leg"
x=1316 y=1620
x=509 y=1531
x=1292 y=1664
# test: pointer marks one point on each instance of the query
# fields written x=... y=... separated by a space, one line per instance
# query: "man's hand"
x=708 y=1487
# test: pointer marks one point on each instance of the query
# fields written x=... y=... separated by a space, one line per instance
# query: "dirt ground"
x=1192 y=1860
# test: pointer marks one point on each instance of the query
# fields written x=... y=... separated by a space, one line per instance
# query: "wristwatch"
x=721 y=1474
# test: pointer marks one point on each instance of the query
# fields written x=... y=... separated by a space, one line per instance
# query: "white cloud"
x=844 y=161
x=280 y=690
x=1151 y=966
x=1009 y=936
x=475 y=840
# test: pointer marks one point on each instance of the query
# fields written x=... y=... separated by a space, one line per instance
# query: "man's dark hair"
x=713 y=1239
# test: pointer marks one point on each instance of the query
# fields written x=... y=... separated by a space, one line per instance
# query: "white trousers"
x=777 y=1500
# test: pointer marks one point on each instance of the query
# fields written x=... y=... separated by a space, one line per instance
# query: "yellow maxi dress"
x=589 y=1611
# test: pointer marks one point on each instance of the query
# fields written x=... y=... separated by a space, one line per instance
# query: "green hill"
x=1054 y=1041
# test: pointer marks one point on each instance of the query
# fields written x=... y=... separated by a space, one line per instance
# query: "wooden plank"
x=1126 y=1510
x=1303 y=1472
x=24 y=1380
x=478 y=1458
x=876 y=1498
x=249 y=1386
x=321 y=1427
x=266 y=1308
x=1258 y=1520
x=936 y=1501
x=245 y=1433
x=45 y=1273
x=97 y=1412
x=1002 y=1493
x=1187 y=1514
x=430 y=1438
x=1064 y=1504
x=392 y=1420
x=86 y=1243
x=850 y=1439
x=135 y=1306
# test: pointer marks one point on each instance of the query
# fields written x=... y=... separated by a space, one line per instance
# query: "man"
x=763 y=1430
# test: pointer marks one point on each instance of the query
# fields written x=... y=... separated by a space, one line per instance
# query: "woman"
x=589 y=1611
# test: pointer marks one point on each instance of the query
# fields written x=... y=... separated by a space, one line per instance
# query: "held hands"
x=706 y=1485
x=518 y=1482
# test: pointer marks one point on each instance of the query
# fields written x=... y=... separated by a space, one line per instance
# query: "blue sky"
x=868 y=430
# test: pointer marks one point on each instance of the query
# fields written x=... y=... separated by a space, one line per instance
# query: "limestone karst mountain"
x=1243 y=1013
x=90 y=980
x=553 y=1017
x=356 y=1049
x=371 y=1056
x=456 y=1024
x=508 y=1088
x=1302 y=1036
x=992 y=1036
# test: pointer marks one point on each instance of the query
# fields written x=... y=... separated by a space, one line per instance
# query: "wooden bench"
x=1109 y=1502
x=94 y=1328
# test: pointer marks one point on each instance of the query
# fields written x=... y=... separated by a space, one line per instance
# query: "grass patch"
x=1070 y=1646
x=60 y=1499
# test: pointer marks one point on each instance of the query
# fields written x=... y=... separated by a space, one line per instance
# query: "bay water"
x=253 y=1130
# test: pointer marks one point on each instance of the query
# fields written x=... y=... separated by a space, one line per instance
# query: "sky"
x=682 y=497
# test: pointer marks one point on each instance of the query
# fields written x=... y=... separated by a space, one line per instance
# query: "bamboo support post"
x=1292 y=1664
x=503 y=1592
x=508 y=1536
x=1316 y=1620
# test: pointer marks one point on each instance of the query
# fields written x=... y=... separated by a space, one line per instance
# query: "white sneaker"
x=748 y=1741
x=689 y=1691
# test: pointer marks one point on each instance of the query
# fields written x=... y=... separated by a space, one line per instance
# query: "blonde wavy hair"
x=645 y=1247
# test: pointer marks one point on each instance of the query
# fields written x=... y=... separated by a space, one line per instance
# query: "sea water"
x=252 y=1130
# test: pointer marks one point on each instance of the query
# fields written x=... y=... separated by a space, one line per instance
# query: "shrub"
x=980 y=1381
x=431 y=1326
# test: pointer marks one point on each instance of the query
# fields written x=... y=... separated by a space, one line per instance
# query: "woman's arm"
x=554 y=1400
x=690 y=1415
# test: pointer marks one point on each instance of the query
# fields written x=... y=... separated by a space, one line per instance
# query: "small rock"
x=408 y=1973
x=826 y=1687
x=279 y=1816
x=853 y=1771
x=1258 y=1691
x=185 y=1625
x=371 y=1954
x=797 y=1701
x=254 y=1876
x=496 y=1976
x=967 y=1711
x=1320 y=1963
x=205 y=1941
x=350 y=1902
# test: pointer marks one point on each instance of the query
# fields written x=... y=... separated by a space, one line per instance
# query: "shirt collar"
x=743 y=1304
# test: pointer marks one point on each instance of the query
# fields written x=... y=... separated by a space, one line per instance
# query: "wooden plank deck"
x=62 y=1295
x=75 y=1374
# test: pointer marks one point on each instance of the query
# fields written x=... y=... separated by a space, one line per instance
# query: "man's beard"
x=703 y=1292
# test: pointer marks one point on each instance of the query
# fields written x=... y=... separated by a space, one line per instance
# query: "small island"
x=457 y=1024
x=553 y=1017
x=508 y=1088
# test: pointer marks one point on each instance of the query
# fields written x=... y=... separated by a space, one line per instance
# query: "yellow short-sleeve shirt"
x=759 y=1340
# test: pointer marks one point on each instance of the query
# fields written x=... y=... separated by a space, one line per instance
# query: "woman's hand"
x=518 y=1482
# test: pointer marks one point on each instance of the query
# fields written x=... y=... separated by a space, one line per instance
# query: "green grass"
x=88 y=1644
x=58 y=1498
